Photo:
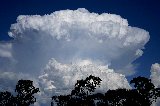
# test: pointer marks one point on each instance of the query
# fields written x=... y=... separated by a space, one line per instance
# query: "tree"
x=87 y=86
x=125 y=97
x=25 y=90
x=7 y=99
x=81 y=95
x=25 y=95
x=146 y=89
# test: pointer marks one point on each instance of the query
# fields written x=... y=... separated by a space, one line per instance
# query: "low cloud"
x=155 y=74
x=62 y=77
x=155 y=77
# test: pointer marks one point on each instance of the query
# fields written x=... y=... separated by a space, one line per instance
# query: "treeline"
x=83 y=94
x=25 y=95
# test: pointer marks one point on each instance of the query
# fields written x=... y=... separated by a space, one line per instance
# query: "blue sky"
x=144 y=14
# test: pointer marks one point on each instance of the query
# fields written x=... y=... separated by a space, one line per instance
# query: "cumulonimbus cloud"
x=69 y=36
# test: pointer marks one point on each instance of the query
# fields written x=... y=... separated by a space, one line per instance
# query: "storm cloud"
x=57 y=49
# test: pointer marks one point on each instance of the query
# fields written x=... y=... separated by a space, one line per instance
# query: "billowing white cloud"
x=62 y=77
x=74 y=38
x=67 y=35
x=59 y=78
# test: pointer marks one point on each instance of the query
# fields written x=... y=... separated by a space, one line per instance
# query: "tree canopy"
x=25 y=95
x=83 y=94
